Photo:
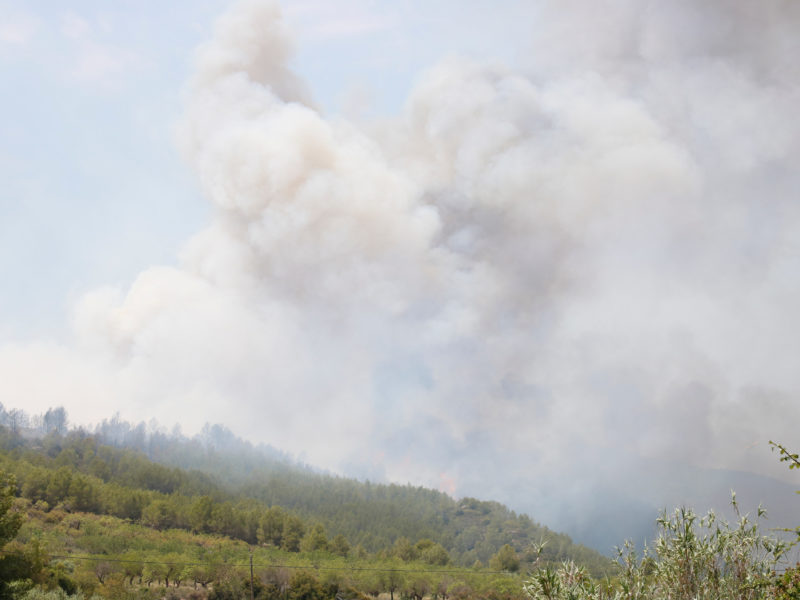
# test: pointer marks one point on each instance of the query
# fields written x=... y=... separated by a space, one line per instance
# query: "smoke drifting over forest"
x=530 y=285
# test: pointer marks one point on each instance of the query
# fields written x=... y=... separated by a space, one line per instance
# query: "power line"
x=269 y=565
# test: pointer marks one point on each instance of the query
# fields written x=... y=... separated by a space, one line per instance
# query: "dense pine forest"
x=129 y=511
x=373 y=516
x=129 y=492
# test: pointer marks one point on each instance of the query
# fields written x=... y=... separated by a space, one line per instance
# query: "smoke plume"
x=536 y=281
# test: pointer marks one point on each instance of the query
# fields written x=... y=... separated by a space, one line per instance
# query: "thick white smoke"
x=549 y=274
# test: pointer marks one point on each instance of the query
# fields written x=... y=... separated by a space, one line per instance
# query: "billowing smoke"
x=532 y=285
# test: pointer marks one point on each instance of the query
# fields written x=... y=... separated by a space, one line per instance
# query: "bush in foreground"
x=694 y=558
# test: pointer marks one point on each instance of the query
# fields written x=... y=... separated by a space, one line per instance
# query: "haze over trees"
x=224 y=479
x=93 y=494
x=92 y=512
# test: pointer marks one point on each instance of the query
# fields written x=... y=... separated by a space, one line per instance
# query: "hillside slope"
x=235 y=491
x=369 y=514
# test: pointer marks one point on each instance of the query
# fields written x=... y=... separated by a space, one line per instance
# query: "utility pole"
x=251 y=574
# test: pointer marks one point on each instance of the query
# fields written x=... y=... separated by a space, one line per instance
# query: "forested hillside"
x=92 y=514
x=216 y=483
x=374 y=516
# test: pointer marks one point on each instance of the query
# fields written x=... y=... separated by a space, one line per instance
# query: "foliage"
x=695 y=558
x=506 y=559
x=56 y=594
x=217 y=483
x=785 y=456
x=315 y=540
x=304 y=586
x=568 y=582
x=13 y=564
x=339 y=546
x=787 y=585
x=133 y=528
x=119 y=559
x=794 y=463
x=10 y=520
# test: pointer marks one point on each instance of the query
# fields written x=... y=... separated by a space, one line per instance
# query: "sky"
x=543 y=252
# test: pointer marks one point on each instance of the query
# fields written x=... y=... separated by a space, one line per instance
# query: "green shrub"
x=56 y=594
x=786 y=585
x=694 y=558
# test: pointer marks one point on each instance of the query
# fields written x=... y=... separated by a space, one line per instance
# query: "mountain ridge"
x=166 y=477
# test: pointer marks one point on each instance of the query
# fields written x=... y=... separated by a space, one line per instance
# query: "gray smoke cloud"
x=535 y=284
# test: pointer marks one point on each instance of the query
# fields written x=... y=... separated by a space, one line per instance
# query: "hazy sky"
x=524 y=250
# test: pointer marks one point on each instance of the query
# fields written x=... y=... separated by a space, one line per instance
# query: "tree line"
x=236 y=474
x=79 y=517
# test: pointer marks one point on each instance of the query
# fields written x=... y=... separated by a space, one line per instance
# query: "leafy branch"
x=794 y=463
x=785 y=455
